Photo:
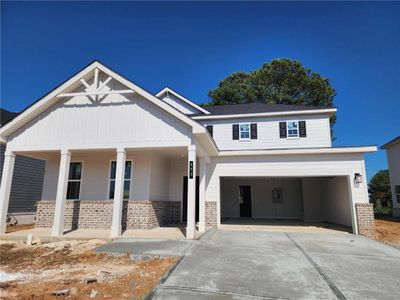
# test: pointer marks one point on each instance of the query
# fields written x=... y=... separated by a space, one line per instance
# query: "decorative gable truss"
x=96 y=88
x=96 y=82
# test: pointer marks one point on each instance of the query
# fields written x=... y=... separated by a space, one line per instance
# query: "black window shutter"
x=210 y=129
x=302 y=129
x=253 y=131
x=282 y=130
x=235 y=131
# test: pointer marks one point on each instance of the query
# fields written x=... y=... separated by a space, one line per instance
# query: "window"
x=127 y=179
x=244 y=131
x=292 y=129
x=397 y=191
x=74 y=180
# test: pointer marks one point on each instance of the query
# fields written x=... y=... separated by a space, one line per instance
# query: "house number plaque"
x=191 y=170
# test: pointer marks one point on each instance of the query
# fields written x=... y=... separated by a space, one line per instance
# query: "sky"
x=191 y=46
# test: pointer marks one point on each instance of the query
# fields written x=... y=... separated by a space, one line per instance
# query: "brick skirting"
x=97 y=214
x=211 y=213
x=365 y=219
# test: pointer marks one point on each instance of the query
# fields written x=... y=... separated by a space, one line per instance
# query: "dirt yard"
x=388 y=230
x=71 y=270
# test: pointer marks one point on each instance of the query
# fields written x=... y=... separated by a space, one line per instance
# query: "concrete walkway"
x=44 y=234
x=272 y=265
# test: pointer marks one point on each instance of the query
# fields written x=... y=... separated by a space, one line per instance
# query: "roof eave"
x=391 y=143
x=328 y=111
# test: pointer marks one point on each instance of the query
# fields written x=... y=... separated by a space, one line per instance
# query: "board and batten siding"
x=116 y=120
x=317 y=127
x=27 y=182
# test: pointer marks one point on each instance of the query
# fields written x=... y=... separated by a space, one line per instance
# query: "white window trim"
x=287 y=130
x=75 y=180
x=109 y=179
x=240 y=132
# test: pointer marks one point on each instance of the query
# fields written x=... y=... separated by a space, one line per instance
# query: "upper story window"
x=244 y=131
x=292 y=129
x=74 y=180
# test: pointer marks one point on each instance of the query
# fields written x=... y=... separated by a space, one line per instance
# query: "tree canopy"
x=281 y=81
x=379 y=192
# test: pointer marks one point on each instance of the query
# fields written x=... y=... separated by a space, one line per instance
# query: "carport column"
x=191 y=196
x=58 y=224
x=118 y=193
x=202 y=194
x=5 y=188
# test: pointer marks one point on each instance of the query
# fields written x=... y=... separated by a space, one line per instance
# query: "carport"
x=323 y=201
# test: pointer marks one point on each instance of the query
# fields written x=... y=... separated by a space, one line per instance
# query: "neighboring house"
x=120 y=158
x=27 y=184
x=393 y=155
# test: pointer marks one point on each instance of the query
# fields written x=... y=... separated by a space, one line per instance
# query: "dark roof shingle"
x=6 y=116
x=248 y=108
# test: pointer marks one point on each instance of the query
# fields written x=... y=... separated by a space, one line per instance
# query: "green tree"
x=379 y=192
x=282 y=81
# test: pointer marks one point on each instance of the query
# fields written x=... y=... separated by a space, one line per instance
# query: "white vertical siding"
x=317 y=126
x=115 y=120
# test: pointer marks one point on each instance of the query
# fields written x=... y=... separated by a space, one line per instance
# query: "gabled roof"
x=391 y=143
x=260 y=109
x=6 y=116
x=167 y=90
x=51 y=98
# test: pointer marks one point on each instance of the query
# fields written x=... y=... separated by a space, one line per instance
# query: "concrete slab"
x=171 y=233
x=342 y=244
x=270 y=265
x=362 y=277
x=147 y=246
x=253 y=225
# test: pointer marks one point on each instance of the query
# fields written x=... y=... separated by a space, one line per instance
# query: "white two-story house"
x=393 y=156
x=118 y=157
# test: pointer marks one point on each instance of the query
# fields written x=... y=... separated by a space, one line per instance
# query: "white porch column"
x=118 y=193
x=5 y=188
x=191 y=196
x=58 y=224
x=202 y=194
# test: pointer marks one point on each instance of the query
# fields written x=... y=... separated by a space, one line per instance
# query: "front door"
x=184 y=202
x=245 y=201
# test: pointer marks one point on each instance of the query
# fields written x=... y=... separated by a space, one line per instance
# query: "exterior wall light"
x=357 y=178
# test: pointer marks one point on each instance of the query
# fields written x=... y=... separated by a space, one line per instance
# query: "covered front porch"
x=124 y=192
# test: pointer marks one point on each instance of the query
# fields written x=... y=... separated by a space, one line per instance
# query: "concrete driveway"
x=277 y=265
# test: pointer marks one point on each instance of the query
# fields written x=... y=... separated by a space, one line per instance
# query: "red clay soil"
x=388 y=229
x=63 y=266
